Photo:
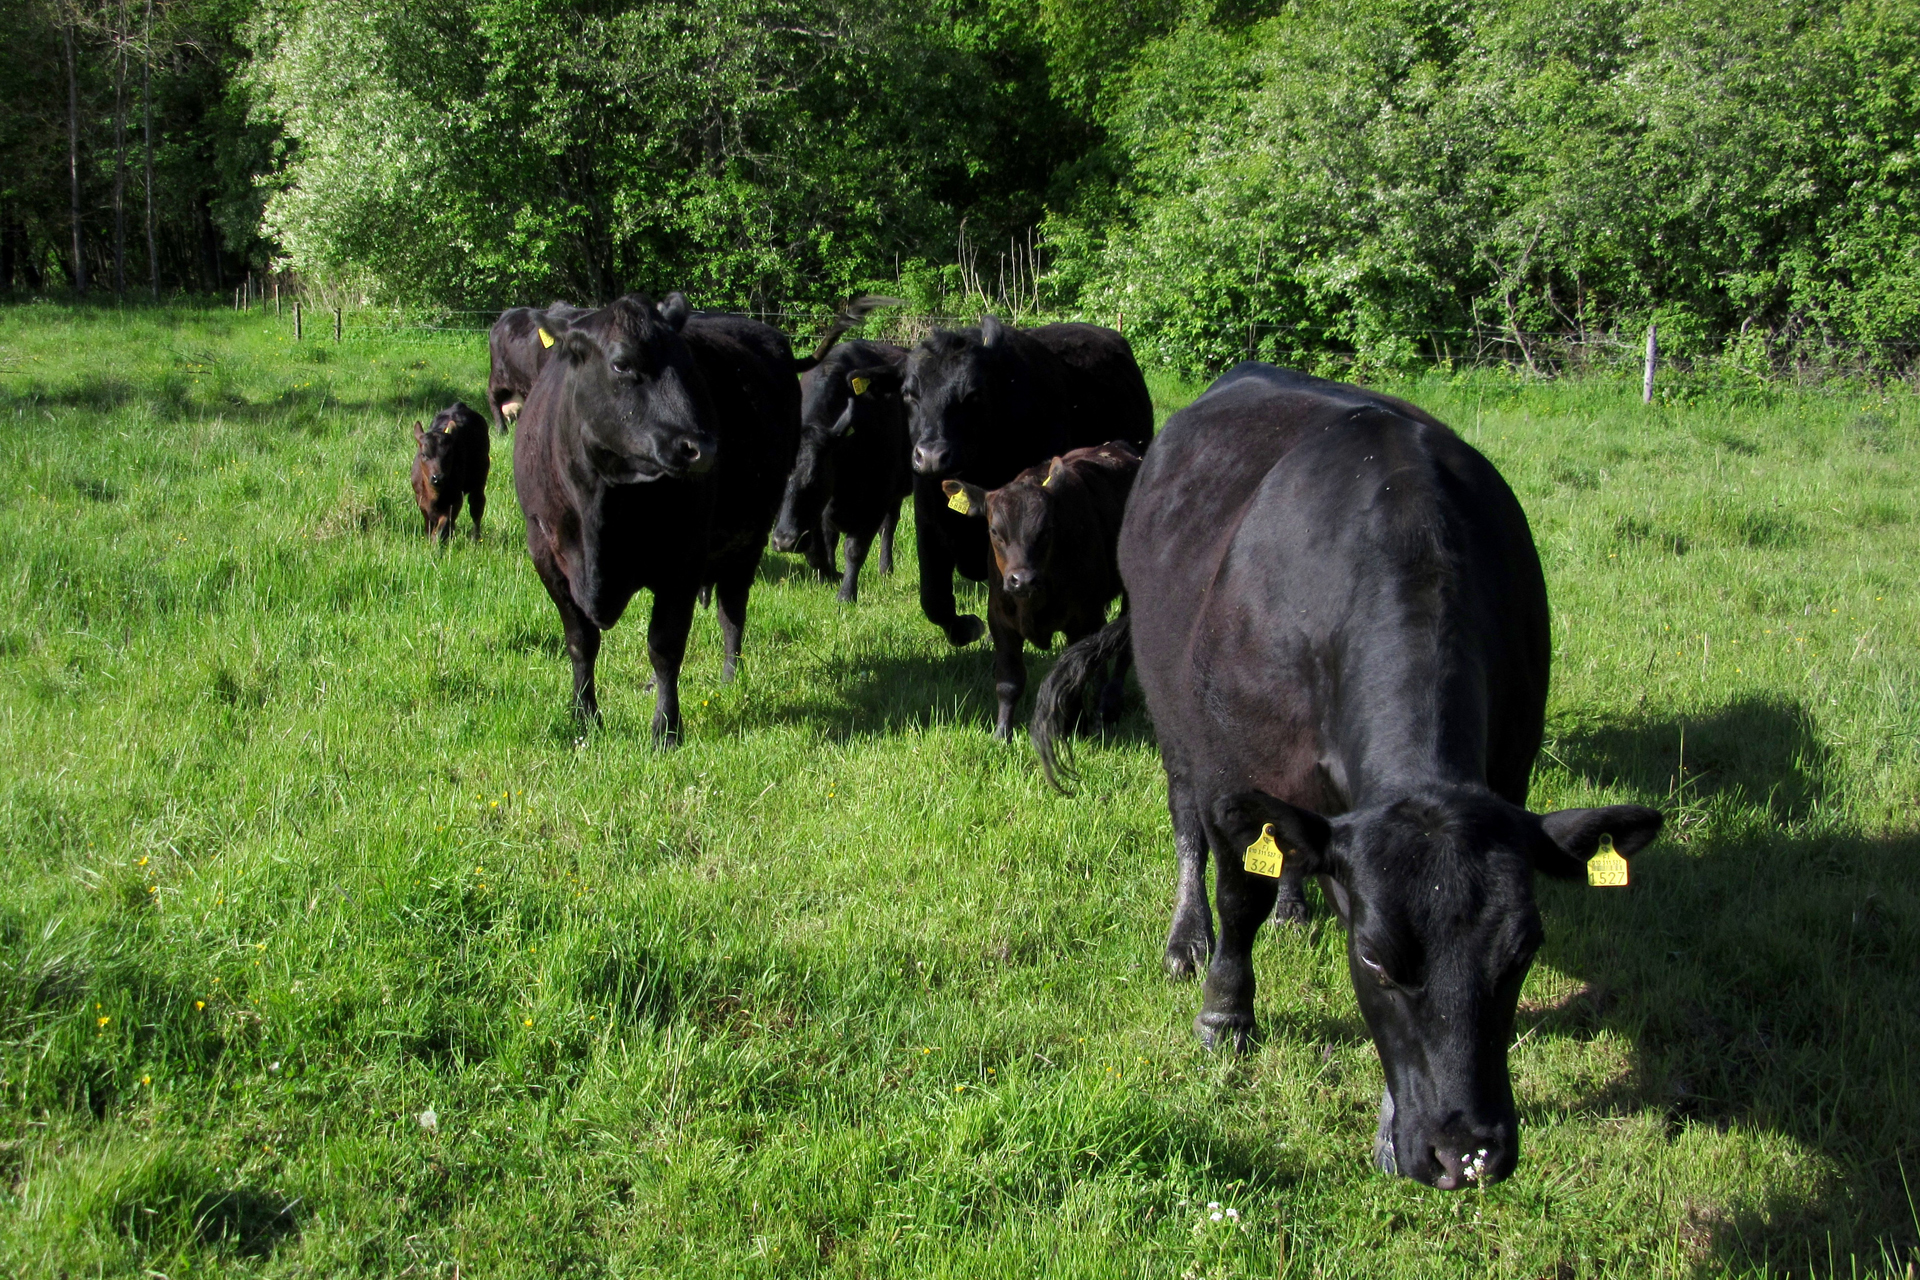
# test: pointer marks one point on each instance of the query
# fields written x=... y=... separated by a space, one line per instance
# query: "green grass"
x=300 y=843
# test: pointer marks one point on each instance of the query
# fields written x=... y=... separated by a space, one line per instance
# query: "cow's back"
x=748 y=369
x=1106 y=395
x=1286 y=534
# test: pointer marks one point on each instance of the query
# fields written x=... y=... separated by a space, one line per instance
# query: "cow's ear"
x=419 y=435
x=1571 y=836
x=1243 y=818
x=575 y=347
x=674 y=310
x=967 y=499
x=871 y=378
x=992 y=332
x=1055 y=469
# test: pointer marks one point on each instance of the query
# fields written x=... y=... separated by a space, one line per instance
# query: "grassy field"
x=330 y=946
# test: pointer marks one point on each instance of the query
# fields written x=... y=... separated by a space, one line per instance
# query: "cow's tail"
x=855 y=312
x=1062 y=697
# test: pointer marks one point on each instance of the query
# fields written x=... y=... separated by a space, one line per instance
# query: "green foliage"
x=1382 y=176
x=302 y=845
x=750 y=151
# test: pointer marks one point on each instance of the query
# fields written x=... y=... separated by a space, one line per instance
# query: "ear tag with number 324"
x=860 y=386
x=958 y=501
x=1606 y=869
x=1264 y=857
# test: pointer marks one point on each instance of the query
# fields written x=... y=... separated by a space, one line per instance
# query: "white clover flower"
x=1215 y=1216
x=429 y=1121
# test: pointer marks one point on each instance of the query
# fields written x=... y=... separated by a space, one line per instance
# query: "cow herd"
x=1332 y=602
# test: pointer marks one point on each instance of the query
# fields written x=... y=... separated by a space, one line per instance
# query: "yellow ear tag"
x=546 y=339
x=958 y=501
x=1049 y=480
x=1263 y=856
x=1606 y=869
x=860 y=386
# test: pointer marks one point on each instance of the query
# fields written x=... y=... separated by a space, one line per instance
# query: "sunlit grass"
x=302 y=845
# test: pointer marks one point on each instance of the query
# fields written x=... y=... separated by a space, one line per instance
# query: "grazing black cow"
x=851 y=473
x=1340 y=625
x=652 y=453
x=985 y=404
x=450 y=463
x=518 y=346
x=1053 y=529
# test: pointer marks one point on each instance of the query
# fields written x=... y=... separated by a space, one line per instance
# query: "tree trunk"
x=146 y=112
x=120 y=158
x=73 y=162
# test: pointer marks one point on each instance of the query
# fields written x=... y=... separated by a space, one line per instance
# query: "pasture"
x=329 y=945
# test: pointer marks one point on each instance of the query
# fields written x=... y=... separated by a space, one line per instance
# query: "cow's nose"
x=1478 y=1162
x=1019 y=582
x=695 y=455
x=786 y=540
x=436 y=479
x=932 y=459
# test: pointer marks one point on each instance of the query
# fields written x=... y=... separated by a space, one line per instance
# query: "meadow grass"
x=329 y=945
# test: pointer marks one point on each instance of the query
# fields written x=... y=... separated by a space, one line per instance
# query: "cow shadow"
x=1761 y=970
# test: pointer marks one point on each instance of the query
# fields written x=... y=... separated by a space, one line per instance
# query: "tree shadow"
x=245 y=1221
x=1762 y=968
x=173 y=397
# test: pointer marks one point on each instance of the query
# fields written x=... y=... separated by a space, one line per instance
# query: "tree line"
x=1390 y=181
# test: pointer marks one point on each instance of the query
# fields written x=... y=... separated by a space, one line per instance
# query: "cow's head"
x=633 y=394
x=841 y=401
x=434 y=448
x=951 y=389
x=1020 y=526
x=1437 y=891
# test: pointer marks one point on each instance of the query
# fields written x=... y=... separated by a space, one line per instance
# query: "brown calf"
x=450 y=463
x=1053 y=529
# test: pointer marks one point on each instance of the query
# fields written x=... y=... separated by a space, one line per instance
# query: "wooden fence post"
x=336 y=324
x=1653 y=358
x=296 y=319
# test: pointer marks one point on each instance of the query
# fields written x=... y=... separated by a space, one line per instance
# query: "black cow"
x=851 y=473
x=1053 y=529
x=985 y=404
x=450 y=463
x=1340 y=625
x=518 y=346
x=652 y=453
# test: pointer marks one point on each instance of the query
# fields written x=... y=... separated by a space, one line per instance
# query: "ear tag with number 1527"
x=958 y=501
x=1606 y=869
x=860 y=386
x=1264 y=857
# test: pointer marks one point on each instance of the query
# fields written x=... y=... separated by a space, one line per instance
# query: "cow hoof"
x=846 y=597
x=1290 y=911
x=965 y=631
x=1186 y=958
x=1225 y=1031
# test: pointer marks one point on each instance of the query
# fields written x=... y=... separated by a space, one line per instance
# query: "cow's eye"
x=1374 y=967
x=622 y=366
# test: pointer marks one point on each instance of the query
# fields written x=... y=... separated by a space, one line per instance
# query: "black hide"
x=1341 y=629
x=985 y=404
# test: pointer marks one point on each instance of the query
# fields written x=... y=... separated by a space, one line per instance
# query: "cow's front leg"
x=1009 y=673
x=1290 y=900
x=477 y=503
x=1190 y=938
x=820 y=552
x=936 y=572
x=857 y=548
x=1226 y=1014
x=583 y=638
x=731 y=594
x=666 y=648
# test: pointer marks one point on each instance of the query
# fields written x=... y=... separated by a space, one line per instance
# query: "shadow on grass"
x=173 y=398
x=1763 y=969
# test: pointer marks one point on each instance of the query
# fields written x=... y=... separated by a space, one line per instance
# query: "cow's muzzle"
x=936 y=460
x=791 y=540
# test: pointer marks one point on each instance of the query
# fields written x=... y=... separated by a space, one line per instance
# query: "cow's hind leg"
x=1113 y=696
x=887 y=526
x=1245 y=900
x=583 y=638
x=731 y=593
x=821 y=552
x=666 y=649
x=857 y=547
x=477 y=503
x=1190 y=939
